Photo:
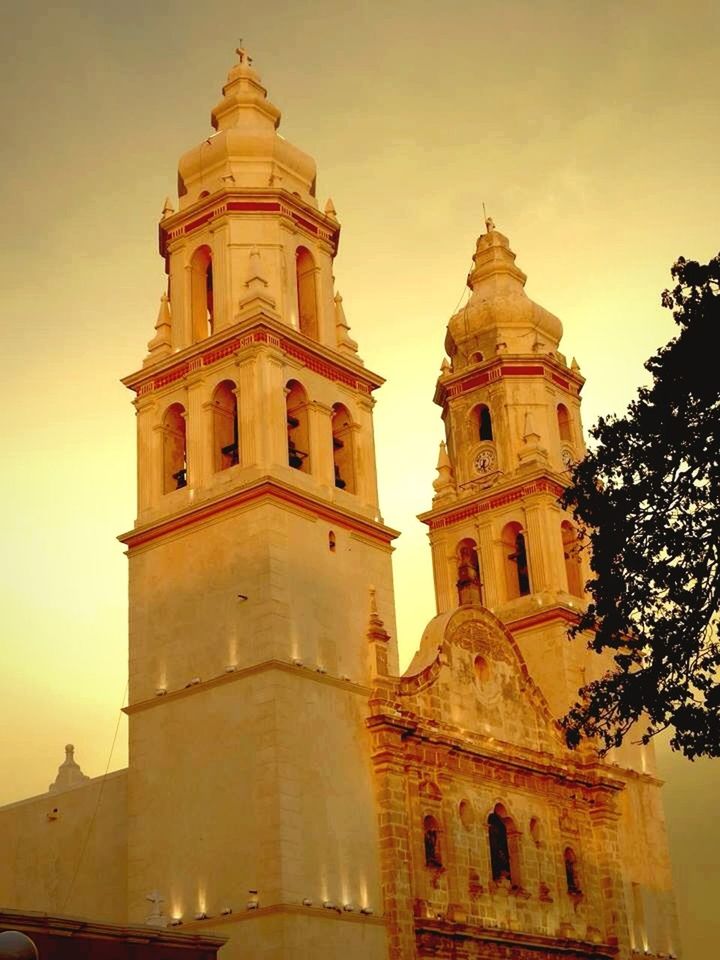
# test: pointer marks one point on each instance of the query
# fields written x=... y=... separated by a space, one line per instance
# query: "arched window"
x=468 y=573
x=481 y=423
x=431 y=832
x=499 y=848
x=343 y=451
x=297 y=426
x=517 y=575
x=306 y=293
x=572 y=559
x=201 y=294
x=174 y=448
x=504 y=853
x=572 y=874
x=225 y=426
x=563 y=419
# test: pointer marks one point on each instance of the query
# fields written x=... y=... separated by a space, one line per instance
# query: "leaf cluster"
x=647 y=500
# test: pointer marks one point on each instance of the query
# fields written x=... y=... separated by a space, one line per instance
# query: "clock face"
x=485 y=461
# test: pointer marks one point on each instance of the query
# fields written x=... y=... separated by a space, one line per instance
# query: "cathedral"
x=288 y=789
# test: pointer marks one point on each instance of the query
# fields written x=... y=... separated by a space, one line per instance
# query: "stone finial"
x=161 y=344
x=489 y=224
x=256 y=284
x=445 y=367
x=69 y=774
x=443 y=483
x=168 y=210
x=342 y=329
x=575 y=366
x=532 y=453
x=378 y=638
x=330 y=210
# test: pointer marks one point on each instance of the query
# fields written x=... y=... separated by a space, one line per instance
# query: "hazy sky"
x=589 y=129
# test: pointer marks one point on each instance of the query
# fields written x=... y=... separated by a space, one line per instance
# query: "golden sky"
x=590 y=130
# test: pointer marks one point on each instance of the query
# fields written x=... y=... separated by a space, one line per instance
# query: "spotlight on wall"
x=226 y=911
x=366 y=911
x=201 y=915
x=230 y=668
x=192 y=683
x=176 y=922
x=297 y=662
x=348 y=907
x=307 y=902
x=160 y=691
x=345 y=677
x=242 y=597
x=252 y=905
x=320 y=669
x=329 y=905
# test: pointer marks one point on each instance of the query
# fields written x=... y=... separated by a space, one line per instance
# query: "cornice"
x=316 y=911
x=551 y=946
x=34 y=922
x=480 y=749
x=259 y=201
x=267 y=489
x=454 y=385
x=500 y=496
x=260 y=329
x=231 y=676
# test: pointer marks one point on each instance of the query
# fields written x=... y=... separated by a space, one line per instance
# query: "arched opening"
x=563 y=419
x=225 y=426
x=431 y=834
x=297 y=426
x=476 y=357
x=343 y=452
x=572 y=875
x=332 y=542
x=201 y=294
x=306 y=293
x=502 y=838
x=468 y=573
x=174 y=448
x=517 y=574
x=482 y=428
x=571 y=554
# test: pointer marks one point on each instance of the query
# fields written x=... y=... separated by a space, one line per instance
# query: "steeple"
x=511 y=408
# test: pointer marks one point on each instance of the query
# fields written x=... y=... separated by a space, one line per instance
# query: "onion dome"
x=499 y=317
x=246 y=151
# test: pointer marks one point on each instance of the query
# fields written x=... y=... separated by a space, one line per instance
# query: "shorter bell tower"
x=511 y=407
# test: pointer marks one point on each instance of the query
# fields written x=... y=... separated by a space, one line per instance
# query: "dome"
x=246 y=151
x=499 y=317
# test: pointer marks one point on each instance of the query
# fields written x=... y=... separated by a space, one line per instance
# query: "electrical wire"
x=97 y=804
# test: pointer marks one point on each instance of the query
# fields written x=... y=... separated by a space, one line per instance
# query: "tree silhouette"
x=647 y=499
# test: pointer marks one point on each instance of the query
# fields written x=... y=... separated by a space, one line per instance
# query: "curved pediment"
x=469 y=673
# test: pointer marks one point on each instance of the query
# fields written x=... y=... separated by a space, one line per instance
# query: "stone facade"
x=287 y=788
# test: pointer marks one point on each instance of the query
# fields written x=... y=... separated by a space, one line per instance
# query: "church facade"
x=287 y=787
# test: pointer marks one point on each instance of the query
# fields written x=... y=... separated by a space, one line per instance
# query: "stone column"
x=222 y=295
x=149 y=454
x=365 y=464
x=198 y=430
x=321 y=443
x=536 y=545
x=249 y=406
x=489 y=574
x=442 y=557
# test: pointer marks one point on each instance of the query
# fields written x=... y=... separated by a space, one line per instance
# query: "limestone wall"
x=53 y=861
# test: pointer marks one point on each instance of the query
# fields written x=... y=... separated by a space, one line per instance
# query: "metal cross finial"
x=242 y=53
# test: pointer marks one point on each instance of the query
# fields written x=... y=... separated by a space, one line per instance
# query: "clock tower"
x=511 y=407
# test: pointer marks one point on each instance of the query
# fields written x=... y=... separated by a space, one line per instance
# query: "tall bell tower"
x=258 y=539
x=511 y=407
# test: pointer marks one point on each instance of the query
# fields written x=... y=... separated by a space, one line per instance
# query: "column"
x=222 y=296
x=198 y=430
x=489 y=574
x=321 y=443
x=366 y=466
x=445 y=596
x=149 y=452
x=537 y=546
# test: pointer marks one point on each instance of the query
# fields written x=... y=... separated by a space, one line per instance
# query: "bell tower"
x=511 y=407
x=258 y=539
